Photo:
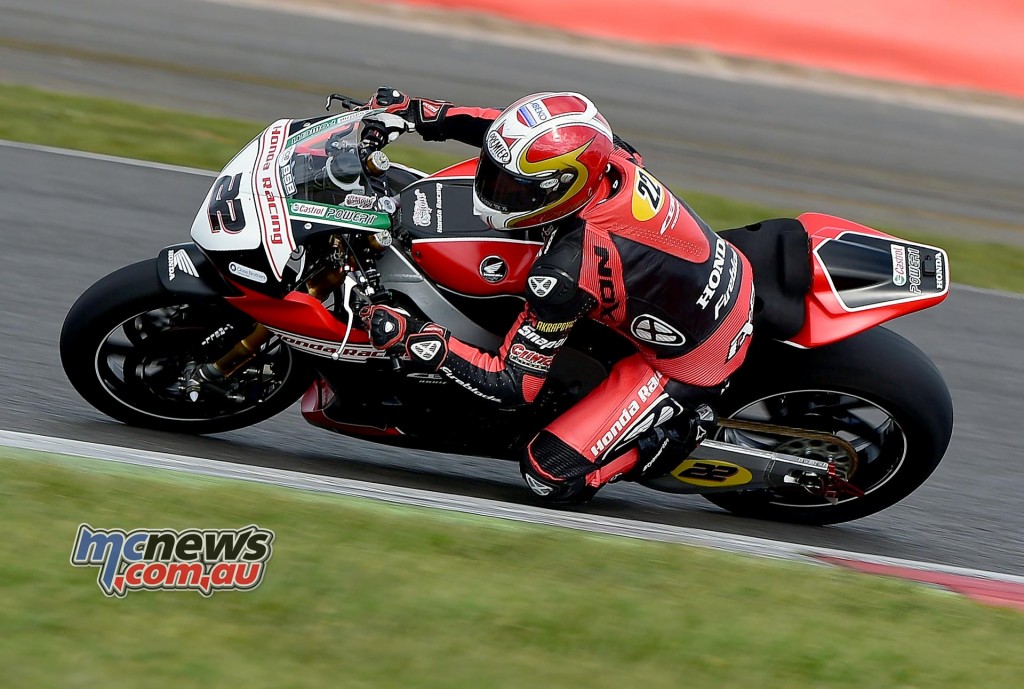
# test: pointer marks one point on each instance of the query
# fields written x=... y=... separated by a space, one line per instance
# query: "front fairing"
x=297 y=179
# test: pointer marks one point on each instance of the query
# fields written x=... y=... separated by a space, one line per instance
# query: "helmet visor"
x=508 y=193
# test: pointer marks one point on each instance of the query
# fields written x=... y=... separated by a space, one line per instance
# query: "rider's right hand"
x=395 y=102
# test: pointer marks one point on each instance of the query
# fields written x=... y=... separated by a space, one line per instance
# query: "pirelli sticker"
x=712 y=473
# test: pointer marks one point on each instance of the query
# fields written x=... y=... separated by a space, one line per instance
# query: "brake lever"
x=346 y=102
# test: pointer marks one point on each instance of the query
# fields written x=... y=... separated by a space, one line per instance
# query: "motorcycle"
x=829 y=419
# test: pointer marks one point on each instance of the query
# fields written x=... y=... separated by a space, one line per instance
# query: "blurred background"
x=907 y=115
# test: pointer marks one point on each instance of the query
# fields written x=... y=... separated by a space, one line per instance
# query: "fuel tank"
x=454 y=248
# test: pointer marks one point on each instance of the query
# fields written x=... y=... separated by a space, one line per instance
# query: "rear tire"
x=145 y=394
x=877 y=368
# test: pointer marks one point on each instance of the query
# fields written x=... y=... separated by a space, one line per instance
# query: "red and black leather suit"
x=638 y=260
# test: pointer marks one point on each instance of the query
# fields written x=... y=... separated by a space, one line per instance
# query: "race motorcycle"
x=830 y=418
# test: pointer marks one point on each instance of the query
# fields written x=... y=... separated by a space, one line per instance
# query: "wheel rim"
x=879 y=440
x=141 y=361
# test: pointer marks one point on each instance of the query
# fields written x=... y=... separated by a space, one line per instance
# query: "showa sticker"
x=205 y=560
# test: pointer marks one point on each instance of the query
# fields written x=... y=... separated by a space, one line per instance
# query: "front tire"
x=876 y=389
x=127 y=341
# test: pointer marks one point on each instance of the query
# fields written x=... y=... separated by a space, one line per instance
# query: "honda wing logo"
x=180 y=260
x=493 y=269
x=541 y=285
x=647 y=328
x=536 y=486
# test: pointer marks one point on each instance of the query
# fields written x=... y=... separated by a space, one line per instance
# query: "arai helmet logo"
x=498 y=149
x=541 y=285
x=493 y=269
x=648 y=328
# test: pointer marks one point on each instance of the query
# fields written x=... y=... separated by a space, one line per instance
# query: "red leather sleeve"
x=514 y=374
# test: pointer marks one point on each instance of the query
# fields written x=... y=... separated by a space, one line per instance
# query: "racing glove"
x=394 y=331
x=423 y=115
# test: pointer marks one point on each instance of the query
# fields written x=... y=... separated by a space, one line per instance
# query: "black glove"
x=418 y=112
x=396 y=332
x=664 y=447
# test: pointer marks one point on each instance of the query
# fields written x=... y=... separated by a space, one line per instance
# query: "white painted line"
x=107 y=158
x=735 y=543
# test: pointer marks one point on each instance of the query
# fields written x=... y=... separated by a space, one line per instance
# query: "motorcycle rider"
x=622 y=250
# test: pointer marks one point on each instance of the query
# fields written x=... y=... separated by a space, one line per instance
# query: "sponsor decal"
x=536 y=486
x=467 y=385
x=541 y=285
x=361 y=201
x=277 y=236
x=429 y=110
x=527 y=358
x=498 y=149
x=712 y=473
x=426 y=377
x=336 y=121
x=940 y=273
x=734 y=270
x=609 y=302
x=438 y=206
x=203 y=560
x=914 y=269
x=425 y=350
x=628 y=412
x=648 y=196
x=300 y=208
x=746 y=331
x=180 y=260
x=802 y=461
x=899 y=264
x=543 y=327
x=534 y=112
x=330 y=350
x=421 y=210
x=715 y=278
x=528 y=331
x=493 y=269
x=350 y=216
x=675 y=209
x=648 y=328
x=247 y=272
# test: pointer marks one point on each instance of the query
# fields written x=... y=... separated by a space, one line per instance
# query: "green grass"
x=125 y=129
x=361 y=594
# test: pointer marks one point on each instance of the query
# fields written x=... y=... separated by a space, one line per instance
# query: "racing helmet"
x=543 y=158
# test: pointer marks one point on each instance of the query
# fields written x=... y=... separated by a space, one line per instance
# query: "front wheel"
x=128 y=344
x=876 y=390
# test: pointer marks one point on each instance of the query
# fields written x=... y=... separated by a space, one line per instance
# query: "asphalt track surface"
x=70 y=220
x=878 y=163
x=67 y=221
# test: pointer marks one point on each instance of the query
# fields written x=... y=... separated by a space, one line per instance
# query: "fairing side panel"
x=862 y=277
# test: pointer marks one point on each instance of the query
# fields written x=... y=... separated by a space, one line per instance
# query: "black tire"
x=127 y=294
x=879 y=367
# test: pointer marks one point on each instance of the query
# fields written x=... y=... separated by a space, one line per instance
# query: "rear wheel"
x=128 y=345
x=876 y=390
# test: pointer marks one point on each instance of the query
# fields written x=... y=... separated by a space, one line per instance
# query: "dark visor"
x=508 y=193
